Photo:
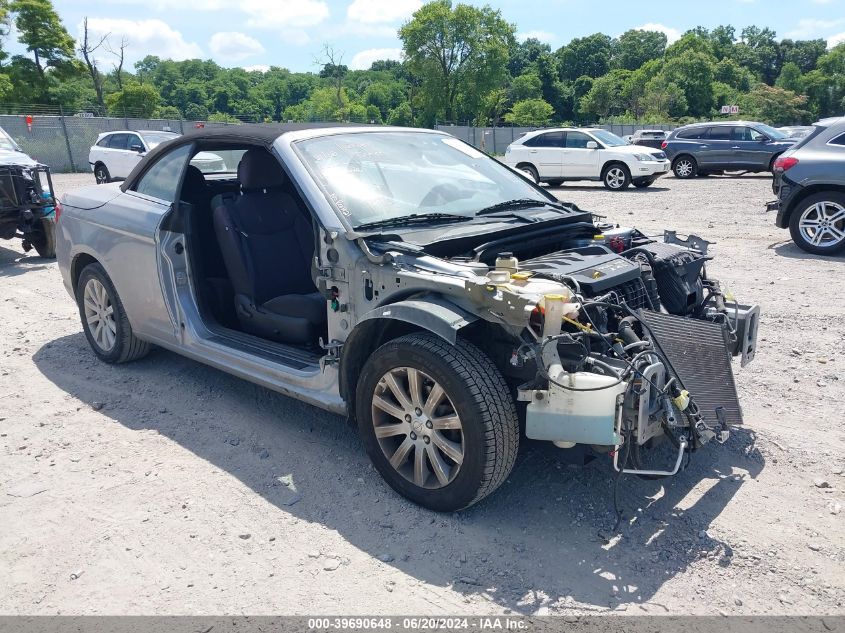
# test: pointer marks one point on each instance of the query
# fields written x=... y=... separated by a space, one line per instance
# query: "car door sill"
x=293 y=357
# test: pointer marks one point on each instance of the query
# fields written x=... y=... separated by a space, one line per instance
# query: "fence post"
x=67 y=138
x=125 y=119
x=181 y=126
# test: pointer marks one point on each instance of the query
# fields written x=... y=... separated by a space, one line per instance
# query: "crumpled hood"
x=11 y=157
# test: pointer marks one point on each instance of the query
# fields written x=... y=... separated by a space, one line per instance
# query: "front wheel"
x=104 y=320
x=642 y=184
x=531 y=172
x=616 y=177
x=685 y=167
x=817 y=224
x=437 y=420
x=44 y=241
x=101 y=174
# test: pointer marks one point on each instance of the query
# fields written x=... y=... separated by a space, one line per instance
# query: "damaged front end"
x=632 y=345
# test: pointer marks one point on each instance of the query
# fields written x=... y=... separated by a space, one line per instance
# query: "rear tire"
x=616 y=177
x=685 y=167
x=554 y=183
x=473 y=412
x=101 y=174
x=104 y=320
x=817 y=223
x=531 y=172
x=44 y=241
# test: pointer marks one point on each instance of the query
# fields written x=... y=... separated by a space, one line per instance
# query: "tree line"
x=462 y=63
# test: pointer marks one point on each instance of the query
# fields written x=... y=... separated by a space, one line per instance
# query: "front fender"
x=434 y=314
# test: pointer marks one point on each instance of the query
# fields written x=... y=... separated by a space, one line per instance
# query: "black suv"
x=810 y=185
x=708 y=148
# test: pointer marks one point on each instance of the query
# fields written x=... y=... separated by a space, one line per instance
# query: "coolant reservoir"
x=583 y=417
x=506 y=261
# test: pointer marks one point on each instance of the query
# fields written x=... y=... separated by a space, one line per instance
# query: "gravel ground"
x=165 y=486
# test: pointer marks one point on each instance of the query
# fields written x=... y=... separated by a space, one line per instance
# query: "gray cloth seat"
x=268 y=249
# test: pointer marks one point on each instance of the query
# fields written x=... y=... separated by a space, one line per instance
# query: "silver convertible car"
x=440 y=300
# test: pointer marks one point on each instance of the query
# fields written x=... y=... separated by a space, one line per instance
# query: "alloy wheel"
x=684 y=168
x=99 y=315
x=615 y=177
x=417 y=427
x=823 y=224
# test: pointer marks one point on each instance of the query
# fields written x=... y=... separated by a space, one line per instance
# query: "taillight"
x=785 y=163
x=58 y=209
x=664 y=144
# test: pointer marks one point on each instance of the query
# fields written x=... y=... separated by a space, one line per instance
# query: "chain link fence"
x=63 y=142
x=495 y=140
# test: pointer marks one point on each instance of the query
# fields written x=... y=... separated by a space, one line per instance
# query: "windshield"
x=379 y=176
x=154 y=138
x=771 y=132
x=6 y=142
x=609 y=139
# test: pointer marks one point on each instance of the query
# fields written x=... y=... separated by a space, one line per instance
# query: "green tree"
x=460 y=53
x=804 y=53
x=758 y=50
x=605 y=97
x=136 y=100
x=774 y=105
x=401 y=115
x=663 y=100
x=41 y=30
x=636 y=47
x=523 y=55
x=534 y=112
x=527 y=86
x=585 y=56
x=692 y=70
x=790 y=78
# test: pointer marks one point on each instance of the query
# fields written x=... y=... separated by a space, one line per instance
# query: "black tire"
x=101 y=174
x=685 y=166
x=127 y=347
x=554 y=183
x=531 y=172
x=44 y=241
x=479 y=396
x=806 y=211
x=642 y=184
x=616 y=176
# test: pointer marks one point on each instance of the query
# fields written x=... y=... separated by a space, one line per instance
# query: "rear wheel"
x=685 y=167
x=531 y=172
x=554 y=183
x=437 y=421
x=44 y=240
x=616 y=177
x=817 y=224
x=104 y=320
x=101 y=174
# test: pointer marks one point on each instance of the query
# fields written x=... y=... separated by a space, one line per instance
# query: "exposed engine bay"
x=628 y=340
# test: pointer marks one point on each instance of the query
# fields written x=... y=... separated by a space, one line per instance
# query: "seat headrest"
x=259 y=169
x=193 y=179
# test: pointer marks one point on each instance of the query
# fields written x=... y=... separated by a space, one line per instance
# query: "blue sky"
x=291 y=33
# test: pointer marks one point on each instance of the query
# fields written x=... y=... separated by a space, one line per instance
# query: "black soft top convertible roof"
x=258 y=134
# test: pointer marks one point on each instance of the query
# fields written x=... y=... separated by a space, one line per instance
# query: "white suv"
x=555 y=156
x=115 y=154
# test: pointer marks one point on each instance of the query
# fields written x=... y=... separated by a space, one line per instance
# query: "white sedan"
x=555 y=156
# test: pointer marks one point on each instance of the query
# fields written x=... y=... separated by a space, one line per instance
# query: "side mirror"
x=592 y=145
x=137 y=148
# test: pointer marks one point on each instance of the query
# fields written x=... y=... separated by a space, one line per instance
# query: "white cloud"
x=153 y=36
x=234 y=46
x=810 y=27
x=672 y=35
x=543 y=36
x=364 y=59
x=284 y=13
x=372 y=11
x=835 y=40
x=262 y=68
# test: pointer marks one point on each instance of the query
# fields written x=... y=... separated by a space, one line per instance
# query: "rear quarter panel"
x=120 y=234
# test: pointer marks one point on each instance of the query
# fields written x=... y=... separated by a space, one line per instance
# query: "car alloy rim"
x=418 y=428
x=684 y=168
x=530 y=175
x=99 y=314
x=615 y=177
x=823 y=224
x=101 y=176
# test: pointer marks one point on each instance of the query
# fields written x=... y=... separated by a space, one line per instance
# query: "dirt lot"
x=165 y=486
